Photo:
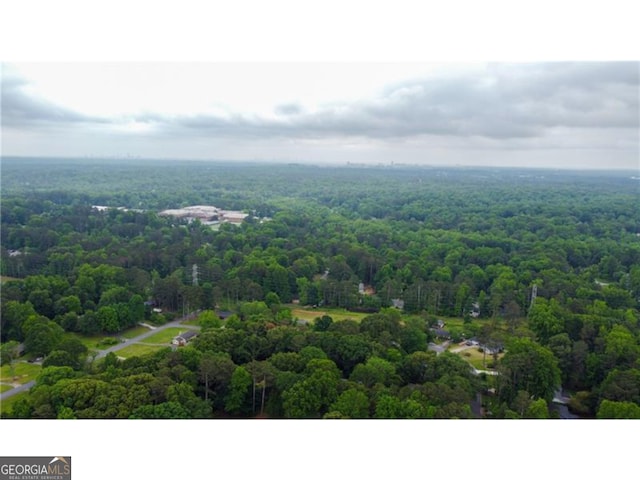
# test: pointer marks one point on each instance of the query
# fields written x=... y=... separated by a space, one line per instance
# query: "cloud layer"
x=506 y=102
x=24 y=110
x=501 y=106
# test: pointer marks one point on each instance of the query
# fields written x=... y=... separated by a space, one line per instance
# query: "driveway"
x=103 y=353
x=22 y=388
x=142 y=336
x=434 y=347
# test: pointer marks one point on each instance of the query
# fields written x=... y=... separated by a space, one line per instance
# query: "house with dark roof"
x=184 y=338
x=440 y=333
x=223 y=314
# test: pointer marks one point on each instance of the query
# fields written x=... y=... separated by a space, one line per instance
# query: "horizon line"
x=303 y=162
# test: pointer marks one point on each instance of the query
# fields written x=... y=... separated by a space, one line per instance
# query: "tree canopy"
x=541 y=268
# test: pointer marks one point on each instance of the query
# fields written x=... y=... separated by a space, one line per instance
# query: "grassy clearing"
x=165 y=336
x=4 y=388
x=24 y=372
x=7 y=405
x=475 y=358
x=134 y=332
x=7 y=279
x=92 y=342
x=193 y=321
x=137 y=350
x=458 y=323
x=337 y=314
x=453 y=322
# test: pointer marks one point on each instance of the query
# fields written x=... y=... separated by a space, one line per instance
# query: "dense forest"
x=409 y=269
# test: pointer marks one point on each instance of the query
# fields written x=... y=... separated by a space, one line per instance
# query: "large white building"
x=207 y=214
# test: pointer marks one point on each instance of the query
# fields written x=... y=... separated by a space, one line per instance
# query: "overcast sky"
x=558 y=114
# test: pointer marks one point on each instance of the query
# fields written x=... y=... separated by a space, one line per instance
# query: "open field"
x=475 y=358
x=137 y=350
x=192 y=321
x=336 y=314
x=7 y=279
x=24 y=372
x=453 y=322
x=165 y=336
x=4 y=387
x=134 y=332
x=458 y=323
x=92 y=342
x=7 y=405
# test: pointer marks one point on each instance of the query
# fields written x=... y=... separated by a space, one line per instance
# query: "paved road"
x=22 y=388
x=115 y=348
x=142 y=336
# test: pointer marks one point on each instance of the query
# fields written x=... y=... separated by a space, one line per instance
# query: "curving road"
x=22 y=388
x=103 y=353
x=142 y=336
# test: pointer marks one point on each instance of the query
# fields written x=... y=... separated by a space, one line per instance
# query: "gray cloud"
x=289 y=109
x=517 y=101
x=19 y=109
x=507 y=108
x=505 y=102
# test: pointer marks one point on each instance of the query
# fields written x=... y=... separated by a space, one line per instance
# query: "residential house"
x=440 y=333
x=223 y=314
x=184 y=338
x=397 y=303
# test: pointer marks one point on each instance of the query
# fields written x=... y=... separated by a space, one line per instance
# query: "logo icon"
x=35 y=468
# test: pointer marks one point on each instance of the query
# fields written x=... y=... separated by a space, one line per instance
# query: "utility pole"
x=534 y=294
x=253 y=408
x=194 y=274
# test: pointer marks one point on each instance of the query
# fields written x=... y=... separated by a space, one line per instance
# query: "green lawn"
x=452 y=322
x=7 y=279
x=134 y=332
x=137 y=350
x=193 y=321
x=7 y=405
x=474 y=357
x=24 y=372
x=92 y=342
x=456 y=322
x=310 y=314
x=165 y=336
x=4 y=388
x=336 y=314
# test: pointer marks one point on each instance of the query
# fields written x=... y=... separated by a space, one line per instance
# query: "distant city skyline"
x=580 y=115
